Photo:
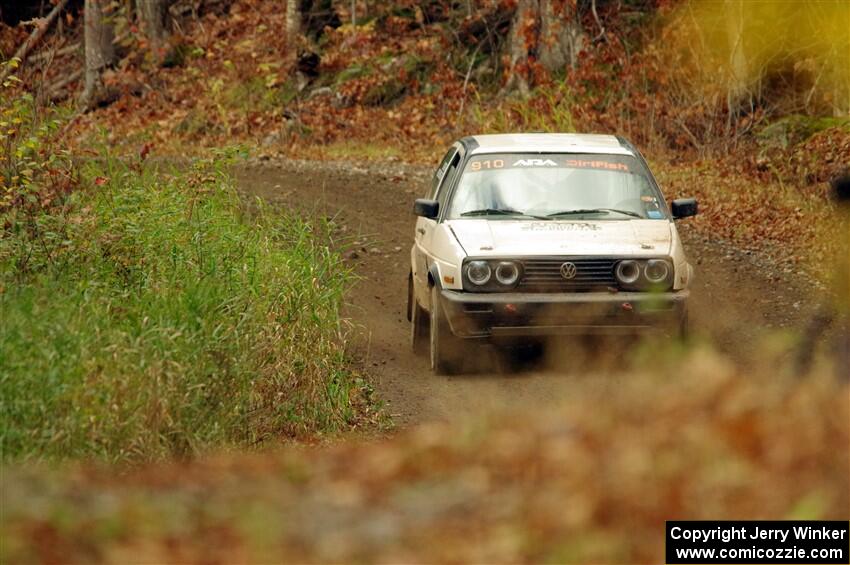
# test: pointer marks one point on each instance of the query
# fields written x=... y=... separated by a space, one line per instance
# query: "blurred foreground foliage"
x=591 y=480
x=779 y=57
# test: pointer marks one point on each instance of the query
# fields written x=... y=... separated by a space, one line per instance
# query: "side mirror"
x=426 y=208
x=684 y=207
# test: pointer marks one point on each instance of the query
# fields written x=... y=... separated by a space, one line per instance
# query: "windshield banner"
x=622 y=163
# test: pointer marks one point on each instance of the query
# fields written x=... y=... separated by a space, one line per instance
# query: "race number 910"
x=487 y=164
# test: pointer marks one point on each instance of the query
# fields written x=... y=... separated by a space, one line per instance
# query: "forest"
x=205 y=220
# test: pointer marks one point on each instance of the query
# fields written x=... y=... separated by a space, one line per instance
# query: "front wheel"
x=445 y=347
x=684 y=329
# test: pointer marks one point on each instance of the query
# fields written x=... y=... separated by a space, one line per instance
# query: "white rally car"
x=538 y=234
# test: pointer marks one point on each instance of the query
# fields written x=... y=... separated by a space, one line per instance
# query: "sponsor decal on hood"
x=511 y=238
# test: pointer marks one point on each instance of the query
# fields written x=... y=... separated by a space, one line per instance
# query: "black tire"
x=418 y=324
x=445 y=347
x=684 y=329
x=410 y=297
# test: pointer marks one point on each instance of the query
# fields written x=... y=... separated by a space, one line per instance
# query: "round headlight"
x=656 y=270
x=478 y=272
x=507 y=273
x=628 y=271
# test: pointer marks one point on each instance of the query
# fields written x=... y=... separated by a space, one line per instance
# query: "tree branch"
x=598 y=22
x=35 y=36
x=67 y=50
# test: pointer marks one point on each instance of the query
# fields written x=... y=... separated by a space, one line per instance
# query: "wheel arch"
x=433 y=281
x=434 y=276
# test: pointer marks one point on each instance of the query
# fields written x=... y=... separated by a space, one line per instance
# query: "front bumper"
x=530 y=314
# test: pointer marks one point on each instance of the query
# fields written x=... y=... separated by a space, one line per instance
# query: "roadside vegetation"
x=147 y=312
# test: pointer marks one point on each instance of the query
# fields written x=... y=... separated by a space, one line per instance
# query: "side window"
x=448 y=179
x=440 y=173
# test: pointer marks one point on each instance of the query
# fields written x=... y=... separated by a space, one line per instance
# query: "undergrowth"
x=150 y=316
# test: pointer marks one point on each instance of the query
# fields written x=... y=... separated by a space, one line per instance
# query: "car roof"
x=548 y=143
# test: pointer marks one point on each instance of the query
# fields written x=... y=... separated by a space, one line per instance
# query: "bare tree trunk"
x=152 y=15
x=293 y=24
x=522 y=37
x=737 y=91
x=841 y=93
x=100 y=52
x=561 y=36
x=555 y=34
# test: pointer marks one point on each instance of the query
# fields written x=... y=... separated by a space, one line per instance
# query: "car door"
x=440 y=187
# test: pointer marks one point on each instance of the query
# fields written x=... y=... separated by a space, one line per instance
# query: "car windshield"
x=537 y=186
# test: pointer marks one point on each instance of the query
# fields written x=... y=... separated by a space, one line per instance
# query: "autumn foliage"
x=411 y=76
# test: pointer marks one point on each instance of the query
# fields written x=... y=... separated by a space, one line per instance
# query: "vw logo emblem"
x=568 y=270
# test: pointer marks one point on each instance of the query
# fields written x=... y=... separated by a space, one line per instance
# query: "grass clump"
x=547 y=111
x=797 y=128
x=149 y=317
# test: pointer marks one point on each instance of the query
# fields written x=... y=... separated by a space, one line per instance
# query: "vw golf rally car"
x=526 y=235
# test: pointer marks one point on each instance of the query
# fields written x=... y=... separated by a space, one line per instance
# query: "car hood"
x=520 y=238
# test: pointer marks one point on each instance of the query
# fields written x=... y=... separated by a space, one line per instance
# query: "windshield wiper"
x=501 y=212
x=595 y=211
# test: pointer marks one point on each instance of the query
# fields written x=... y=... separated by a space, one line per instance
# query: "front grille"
x=544 y=275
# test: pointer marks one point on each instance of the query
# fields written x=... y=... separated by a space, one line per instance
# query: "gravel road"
x=737 y=296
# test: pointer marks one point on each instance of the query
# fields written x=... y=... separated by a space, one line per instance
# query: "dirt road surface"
x=736 y=298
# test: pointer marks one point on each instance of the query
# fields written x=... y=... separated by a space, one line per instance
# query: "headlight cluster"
x=652 y=274
x=484 y=275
